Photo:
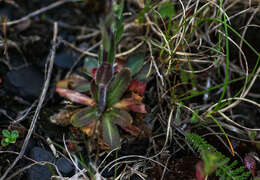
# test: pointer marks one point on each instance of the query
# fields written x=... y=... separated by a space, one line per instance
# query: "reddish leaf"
x=200 y=174
x=138 y=108
x=124 y=103
x=137 y=86
x=93 y=72
x=250 y=164
x=138 y=99
x=133 y=104
x=133 y=130
x=75 y=96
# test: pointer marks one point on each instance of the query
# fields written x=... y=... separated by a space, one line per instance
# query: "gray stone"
x=25 y=82
x=64 y=166
x=40 y=172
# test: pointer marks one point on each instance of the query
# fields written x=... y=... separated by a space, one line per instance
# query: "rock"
x=64 y=60
x=65 y=166
x=16 y=62
x=40 y=172
x=31 y=144
x=25 y=82
x=39 y=154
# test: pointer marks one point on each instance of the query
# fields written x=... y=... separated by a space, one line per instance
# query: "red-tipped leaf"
x=133 y=103
x=133 y=130
x=93 y=73
x=138 y=87
x=75 y=96
x=129 y=104
x=200 y=171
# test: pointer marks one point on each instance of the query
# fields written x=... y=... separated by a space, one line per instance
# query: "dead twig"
x=41 y=100
x=37 y=12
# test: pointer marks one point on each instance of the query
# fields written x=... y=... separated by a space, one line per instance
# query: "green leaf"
x=89 y=64
x=6 y=133
x=4 y=143
x=194 y=118
x=147 y=7
x=119 y=24
x=210 y=160
x=112 y=50
x=119 y=117
x=85 y=116
x=100 y=54
x=135 y=63
x=12 y=140
x=105 y=36
x=185 y=76
x=141 y=76
x=7 y=140
x=118 y=86
x=119 y=32
x=83 y=88
x=252 y=134
x=166 y=9
x=118 y=9
x=15 y=134
x=110 y=133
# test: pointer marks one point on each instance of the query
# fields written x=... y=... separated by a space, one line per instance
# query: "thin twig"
x=24 y=114
x=154 y=63
x=37 y=12
x=41 y=100
x=86 y=52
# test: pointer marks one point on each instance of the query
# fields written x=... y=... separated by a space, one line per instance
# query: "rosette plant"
x=106 y=107
x=106 y=103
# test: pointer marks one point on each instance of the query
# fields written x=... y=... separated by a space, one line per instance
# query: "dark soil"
x=22 y=66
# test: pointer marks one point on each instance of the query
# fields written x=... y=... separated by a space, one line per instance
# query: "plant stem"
x=102 y=91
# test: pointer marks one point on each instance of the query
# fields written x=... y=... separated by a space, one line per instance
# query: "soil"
x=29 y=44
